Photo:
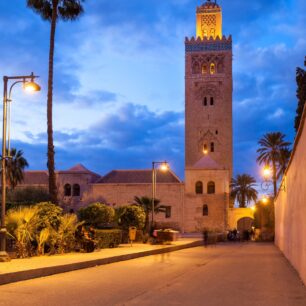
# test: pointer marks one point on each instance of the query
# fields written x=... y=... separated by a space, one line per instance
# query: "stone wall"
x=290 y=206
x=123 y=194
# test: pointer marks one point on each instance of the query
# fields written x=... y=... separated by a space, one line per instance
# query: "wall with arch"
x=235 y=214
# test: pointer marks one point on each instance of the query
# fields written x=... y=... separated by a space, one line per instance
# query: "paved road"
x=230 y=274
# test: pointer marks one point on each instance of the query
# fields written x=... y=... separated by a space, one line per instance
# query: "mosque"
x=202 y=201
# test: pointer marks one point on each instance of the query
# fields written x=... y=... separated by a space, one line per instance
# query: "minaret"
x=208 y=119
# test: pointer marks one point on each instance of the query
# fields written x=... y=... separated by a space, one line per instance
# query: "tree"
x=272 y=146
x=300 y=94
x=284 y=158
x=146 y=204
x=130 y=215
x=243 y=189
x=97 y=215
x=54 y=10
x=15 y=166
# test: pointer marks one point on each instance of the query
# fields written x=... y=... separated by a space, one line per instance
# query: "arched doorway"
x=245 y=224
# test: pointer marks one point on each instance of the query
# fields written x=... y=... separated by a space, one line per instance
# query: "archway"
x=245 y=224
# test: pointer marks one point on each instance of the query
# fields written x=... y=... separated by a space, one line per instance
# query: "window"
x=212 y=68
x=205 y=33
x=76 y=190
x=217 y=132
x=211 y=100
x=168 y=211
x=210 y=187
x=212 y=147
x=67 y=190
x=204 y=69
x=199 y=188
x=205 y=210
x=205 y=101
x=212 y=33
x=205 y=149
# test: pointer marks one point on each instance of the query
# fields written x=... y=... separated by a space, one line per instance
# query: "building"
x=203 y=200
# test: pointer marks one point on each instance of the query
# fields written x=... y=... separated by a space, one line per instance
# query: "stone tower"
x=208 y=121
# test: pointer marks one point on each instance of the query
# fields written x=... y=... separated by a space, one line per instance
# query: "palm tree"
x=146 y=204
x=283 y=161
x=54 y=10
x=15 y=166
x=271 y=146
x=243 y=189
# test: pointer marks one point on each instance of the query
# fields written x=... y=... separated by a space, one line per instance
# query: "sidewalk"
x=23 y=269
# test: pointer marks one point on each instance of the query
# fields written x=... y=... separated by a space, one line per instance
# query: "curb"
x=47 y=271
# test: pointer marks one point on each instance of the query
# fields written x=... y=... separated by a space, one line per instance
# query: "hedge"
x=108 y=238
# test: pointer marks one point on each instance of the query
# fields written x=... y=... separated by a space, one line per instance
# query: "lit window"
x=67 y=190
x=212 y=33
x=205 y=151
x=205 y=33
x=212 y=68
x=204 y=69
x=199 y=187
x=76 y=190
x=212 y=147
x=211 y=100
x=205 y=210
x=211 y=188
x=205 y=101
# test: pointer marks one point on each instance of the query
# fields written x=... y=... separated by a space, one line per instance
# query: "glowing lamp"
x=31 y=86
x=164 y=167
x=266 y=172
x=253 y=208
x=264 y=200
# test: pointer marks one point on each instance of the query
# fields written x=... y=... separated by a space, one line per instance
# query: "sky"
x=119 y=79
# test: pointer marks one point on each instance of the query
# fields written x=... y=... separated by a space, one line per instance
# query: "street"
x=226 y=274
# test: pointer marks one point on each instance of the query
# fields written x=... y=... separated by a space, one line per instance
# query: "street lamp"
x=30 y=86
x=164 y=166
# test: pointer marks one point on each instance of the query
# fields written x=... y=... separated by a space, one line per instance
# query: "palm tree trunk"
x=274 y=178
x=51 y=166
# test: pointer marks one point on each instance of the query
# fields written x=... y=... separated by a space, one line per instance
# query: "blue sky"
x=119 y=79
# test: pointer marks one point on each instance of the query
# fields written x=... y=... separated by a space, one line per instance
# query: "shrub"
x=66 y=233
x=108 y=238
x=49 y=215
x=22 y=225
x=131 y=215
x=97 y=214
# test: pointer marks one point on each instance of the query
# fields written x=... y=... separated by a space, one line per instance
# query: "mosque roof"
x=35 y=178
x=138 y=177
x=208 y=163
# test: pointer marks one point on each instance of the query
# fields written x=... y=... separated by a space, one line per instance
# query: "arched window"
x=205 y=151
x=212 y=68
x=211 y=187
x=76 y=190
x=212 y=33
x=205 y=33
x=196 y=68
x=199 y=187
x=205 y=210
x=205 y=101
x=204 y=69
x=216 y=132
x=212 y=147
x=211 y=100
x=67 y=190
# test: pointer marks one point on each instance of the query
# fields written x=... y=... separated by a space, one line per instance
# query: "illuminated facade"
x=208 y=121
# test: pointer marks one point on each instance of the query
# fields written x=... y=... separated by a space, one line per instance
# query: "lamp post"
x=28 y=85
x=164 y=166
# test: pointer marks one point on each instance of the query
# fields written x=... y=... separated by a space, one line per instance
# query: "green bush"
x=97 y=215
x=130 y=215
x=49 y=215
x=108 y=238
